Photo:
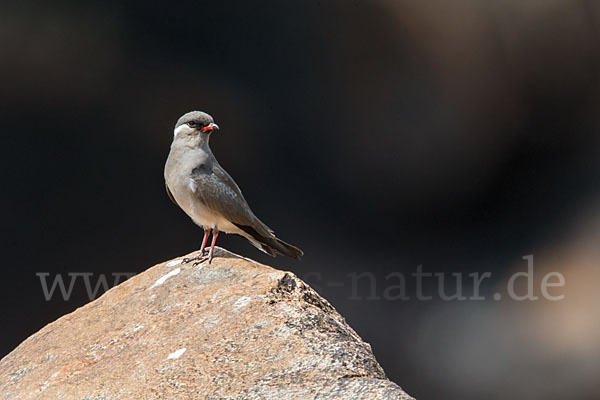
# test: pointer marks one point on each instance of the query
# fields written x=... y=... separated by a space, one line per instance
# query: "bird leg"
x=204 y=239
x=215 y=233
x=202 y=248
x=200 y=258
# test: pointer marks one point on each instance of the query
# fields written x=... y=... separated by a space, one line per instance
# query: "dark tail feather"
x=272 y=245
x=286 y=249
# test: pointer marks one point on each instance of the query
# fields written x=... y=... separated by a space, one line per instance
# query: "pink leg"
x=204 y=240
x=201 y=255
x=212 y=245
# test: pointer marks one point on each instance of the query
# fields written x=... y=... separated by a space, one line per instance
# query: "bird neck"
x=202 y=142
x=196 y=142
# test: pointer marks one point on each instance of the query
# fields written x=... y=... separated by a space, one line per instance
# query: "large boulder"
x=234 y=329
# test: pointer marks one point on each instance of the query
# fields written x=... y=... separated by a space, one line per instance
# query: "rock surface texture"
x=235 y=329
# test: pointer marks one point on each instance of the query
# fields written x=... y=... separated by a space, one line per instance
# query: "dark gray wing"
x=218 y=191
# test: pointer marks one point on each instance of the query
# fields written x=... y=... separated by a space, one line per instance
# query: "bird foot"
x=200 y=258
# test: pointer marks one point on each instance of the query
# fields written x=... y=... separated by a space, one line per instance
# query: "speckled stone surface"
x=234 y=329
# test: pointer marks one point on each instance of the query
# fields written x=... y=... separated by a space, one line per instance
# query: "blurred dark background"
x=376 y=135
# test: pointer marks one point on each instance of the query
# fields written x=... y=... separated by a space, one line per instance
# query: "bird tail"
x=270 y=244
x=286 y=249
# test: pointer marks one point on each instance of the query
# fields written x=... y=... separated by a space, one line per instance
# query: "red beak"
x=211 y=127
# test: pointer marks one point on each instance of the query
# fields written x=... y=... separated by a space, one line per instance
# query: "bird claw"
x=199 y=259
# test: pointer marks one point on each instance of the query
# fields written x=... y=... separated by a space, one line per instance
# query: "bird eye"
x=192 y=124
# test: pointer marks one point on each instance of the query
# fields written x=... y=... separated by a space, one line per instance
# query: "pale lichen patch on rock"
x=173 y=263
x=176 y=354
x=241 y=302
x=164 y=278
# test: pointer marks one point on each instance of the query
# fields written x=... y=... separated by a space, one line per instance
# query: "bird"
x=196 y=182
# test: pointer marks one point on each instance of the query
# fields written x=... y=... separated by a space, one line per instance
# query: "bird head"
x=194 y=123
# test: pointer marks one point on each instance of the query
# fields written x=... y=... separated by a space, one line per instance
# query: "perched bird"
x=209 y=196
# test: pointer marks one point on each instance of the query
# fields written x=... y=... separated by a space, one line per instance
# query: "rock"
x=235 y=329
